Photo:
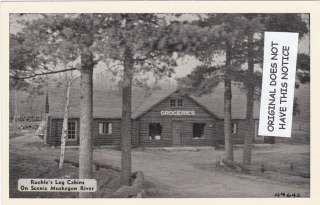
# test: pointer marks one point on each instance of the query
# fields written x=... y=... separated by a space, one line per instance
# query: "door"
x=176 y=133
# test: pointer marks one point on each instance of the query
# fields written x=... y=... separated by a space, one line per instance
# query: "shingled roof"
x=107 y=103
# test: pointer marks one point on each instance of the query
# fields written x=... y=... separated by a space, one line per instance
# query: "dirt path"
x=188 y=173
x=177 y=174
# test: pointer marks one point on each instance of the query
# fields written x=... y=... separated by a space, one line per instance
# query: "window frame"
x=234 y=129
x=108 y=125
x=193 y=130
x=150 y=137
x=178 y=102
x=173 y=104
x=75 y=130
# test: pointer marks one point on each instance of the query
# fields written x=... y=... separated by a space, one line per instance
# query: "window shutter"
x=235 y=128
x=100 y=128
x=109 y=128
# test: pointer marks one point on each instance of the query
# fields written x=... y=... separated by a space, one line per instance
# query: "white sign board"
x=57 y=185
x=278 y=83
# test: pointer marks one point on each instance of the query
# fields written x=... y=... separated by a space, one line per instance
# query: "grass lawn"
x=22 y=166
x=29 y=158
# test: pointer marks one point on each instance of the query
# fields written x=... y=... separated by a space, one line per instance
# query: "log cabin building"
x=164 y=118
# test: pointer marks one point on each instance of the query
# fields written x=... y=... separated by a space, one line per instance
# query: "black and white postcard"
x=158 y=100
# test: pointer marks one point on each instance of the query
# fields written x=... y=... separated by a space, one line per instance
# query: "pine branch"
x=147 y=56
x=44 y=73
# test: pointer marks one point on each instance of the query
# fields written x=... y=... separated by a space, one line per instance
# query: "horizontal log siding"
x=238 y=137
x=165 y=140
x=135 y=133
x=99 y=139
x=220 y=132
x=48 y=130
x=54 y=138
x=106 y=139
x=201 y=116
x=213 y=133
x=209 y=133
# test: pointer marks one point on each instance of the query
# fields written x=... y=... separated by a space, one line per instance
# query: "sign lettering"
x=278 y=83
x=177 y=113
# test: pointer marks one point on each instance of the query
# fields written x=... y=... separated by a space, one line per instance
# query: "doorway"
x=176 y=133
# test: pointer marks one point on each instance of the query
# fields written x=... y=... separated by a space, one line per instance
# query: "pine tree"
x=257 y=24
x=139 y=42
x=226 y=32
x=64 y=38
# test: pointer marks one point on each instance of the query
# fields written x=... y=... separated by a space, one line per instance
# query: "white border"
x=312 y=7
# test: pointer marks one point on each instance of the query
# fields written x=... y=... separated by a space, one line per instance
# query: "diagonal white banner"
x=278 y=83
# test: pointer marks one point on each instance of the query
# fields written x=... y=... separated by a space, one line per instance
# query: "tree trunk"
x=46 y=117
x=227 y=108
x=85 y=153
x=15 y=112
x=64 y=132
x=248 y=139
x=126 y=118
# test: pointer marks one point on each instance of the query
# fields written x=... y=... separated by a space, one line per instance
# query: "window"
x=155 y=130
x=176 y=103
x=198 y=130
x=234 y=128
x=172 y=103
x=105 y=128
x=72 y=130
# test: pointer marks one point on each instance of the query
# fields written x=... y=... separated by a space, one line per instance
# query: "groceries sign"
x=177 y=113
